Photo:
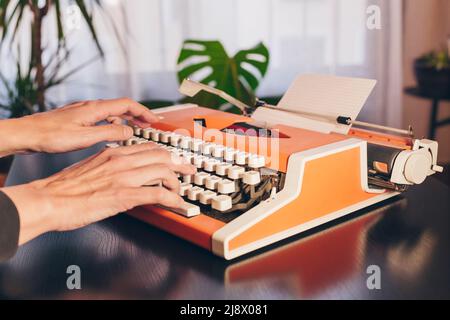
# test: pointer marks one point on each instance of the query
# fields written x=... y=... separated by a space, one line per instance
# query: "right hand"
x=113 y=181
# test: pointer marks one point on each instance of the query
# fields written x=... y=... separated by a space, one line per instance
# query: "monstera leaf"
x=209 y=63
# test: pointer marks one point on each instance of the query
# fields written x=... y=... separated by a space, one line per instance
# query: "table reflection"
x=124 y=259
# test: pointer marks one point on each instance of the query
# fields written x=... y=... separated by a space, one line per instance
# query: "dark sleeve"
x=9 y=227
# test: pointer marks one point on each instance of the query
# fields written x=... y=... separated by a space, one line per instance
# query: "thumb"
x=111 y=132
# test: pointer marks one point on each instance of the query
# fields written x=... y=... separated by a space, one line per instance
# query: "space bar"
x=188 y=210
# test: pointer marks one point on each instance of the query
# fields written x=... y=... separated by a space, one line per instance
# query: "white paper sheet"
x=327 y=96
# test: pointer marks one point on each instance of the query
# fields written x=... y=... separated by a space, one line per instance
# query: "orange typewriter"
x=276 y=171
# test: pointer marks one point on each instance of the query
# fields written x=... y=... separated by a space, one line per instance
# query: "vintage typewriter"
x=274 y=172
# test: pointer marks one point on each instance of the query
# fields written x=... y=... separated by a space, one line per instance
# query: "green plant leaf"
x=59 y=24
x=88 y=19
x=238 y=76
x=5 y=22
x=21 y=93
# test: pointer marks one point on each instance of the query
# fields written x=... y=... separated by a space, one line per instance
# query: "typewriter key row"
x=222 y=172
x=229 y=155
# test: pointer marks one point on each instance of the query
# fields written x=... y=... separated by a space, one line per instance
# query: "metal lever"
x=348 y=121
x=190 y=88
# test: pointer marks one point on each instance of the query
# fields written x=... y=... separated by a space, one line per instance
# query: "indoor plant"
x=433 y=74
x=239 y=76
x=26 y=93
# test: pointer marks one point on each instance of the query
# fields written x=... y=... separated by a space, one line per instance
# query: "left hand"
x=73 y=127
x=112 y=181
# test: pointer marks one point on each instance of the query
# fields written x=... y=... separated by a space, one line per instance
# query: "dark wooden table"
x=122 y=258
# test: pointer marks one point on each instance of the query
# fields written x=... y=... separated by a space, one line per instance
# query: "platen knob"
x=417 y=167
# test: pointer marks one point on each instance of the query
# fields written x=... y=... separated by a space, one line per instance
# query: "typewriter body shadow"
x=276 y=171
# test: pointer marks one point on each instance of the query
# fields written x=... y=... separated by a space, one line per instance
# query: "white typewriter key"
x=221 y=203
x=185 y=142
x=206 y=148
x=184 y=187
x=164 y=137
x=112 y=145
x=194 y=192
x=188 y=178
x=211 y=182
x=217 y=151
x=187 y=209
x=131 y=141
x=210 y=165
x=187 y=156
x=174 y=140
x=196 y=144
x=222 y=169
x=146 y=133
x=155 y=136
x=142 y=141
x=251 y=178
x=255 y=161
x=241 y=158
x=137 y=131
x=177 y=153
x=229 y=154
x=198 y=161
x=137 y=141
x=226 y=186
x=199 y=178
x=235 y=172
x=207 y=196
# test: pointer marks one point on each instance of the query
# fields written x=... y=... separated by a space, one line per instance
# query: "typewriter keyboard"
x=228 y=182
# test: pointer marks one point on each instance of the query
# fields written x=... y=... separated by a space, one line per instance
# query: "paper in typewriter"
x=327 y=96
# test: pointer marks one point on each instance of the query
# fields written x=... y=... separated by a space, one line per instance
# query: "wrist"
x=34 y=210
x=15 y=137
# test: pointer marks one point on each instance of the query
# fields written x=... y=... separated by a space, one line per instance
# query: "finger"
x=104 y=156
x=109 y=132
x=152 y=195
x=115 y=120
x=118 y=107
x=148 y=175
x=88 y=136
x=153 y=156
x=132 y=121
x=137 y=122
x=135 y=148
x=163 y=197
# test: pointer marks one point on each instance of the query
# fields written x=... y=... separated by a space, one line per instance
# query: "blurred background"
x=54 y=52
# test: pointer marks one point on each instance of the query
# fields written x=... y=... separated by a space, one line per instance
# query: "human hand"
x=73 y=127
x=113 y=181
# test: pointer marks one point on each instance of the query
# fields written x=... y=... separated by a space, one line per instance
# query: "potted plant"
x=26 y=93
x=432 y=72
